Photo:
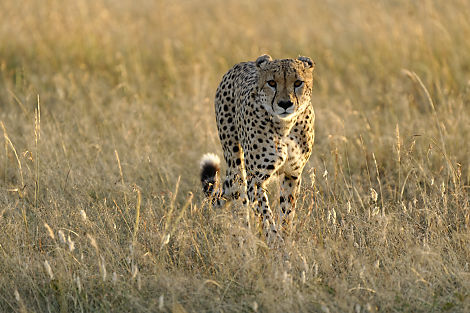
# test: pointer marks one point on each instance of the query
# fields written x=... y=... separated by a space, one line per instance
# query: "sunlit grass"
x=107 y=106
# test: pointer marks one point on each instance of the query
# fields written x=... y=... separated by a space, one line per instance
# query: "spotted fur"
x=265 y=122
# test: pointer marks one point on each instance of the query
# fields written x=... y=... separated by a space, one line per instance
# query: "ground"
x=100 y=201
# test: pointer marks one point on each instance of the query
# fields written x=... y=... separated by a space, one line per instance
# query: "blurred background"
x=142 y=74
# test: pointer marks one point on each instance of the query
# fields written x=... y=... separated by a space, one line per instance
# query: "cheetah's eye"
x=298 y=83
x=272 y=83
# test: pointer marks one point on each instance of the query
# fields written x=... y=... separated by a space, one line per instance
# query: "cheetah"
x=265 y=122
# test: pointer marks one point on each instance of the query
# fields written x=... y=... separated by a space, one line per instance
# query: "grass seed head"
x=161 y=302
x=17 y=295
x=61 y=236
x=79 y=284
x=83 y=215
x=93 y=242
x=49 y=231
x=70 y=243
x=373 y=195
x=48 y=269
x=103 y=268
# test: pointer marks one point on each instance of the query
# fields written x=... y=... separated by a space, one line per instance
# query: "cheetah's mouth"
x=285 y=114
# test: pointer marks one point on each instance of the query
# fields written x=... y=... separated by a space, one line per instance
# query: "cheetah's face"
x=285 y=85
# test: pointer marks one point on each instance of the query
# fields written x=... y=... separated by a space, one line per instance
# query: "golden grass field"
x=107 y=106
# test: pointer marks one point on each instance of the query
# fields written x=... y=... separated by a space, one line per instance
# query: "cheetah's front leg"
x=259 y=201
x=261 y=165
x=289 y=189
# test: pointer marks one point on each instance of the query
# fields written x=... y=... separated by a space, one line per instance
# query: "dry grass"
x=106 y=107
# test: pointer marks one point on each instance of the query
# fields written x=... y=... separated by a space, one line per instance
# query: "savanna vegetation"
x=107 y=106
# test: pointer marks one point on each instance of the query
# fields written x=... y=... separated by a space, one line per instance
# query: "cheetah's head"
x=285 y=86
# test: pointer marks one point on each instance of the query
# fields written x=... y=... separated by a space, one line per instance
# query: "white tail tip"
x=210 y=158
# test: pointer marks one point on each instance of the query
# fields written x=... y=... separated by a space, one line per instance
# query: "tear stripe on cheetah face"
x=284 y=82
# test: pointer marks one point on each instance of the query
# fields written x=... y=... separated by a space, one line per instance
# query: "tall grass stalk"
x=37 y=136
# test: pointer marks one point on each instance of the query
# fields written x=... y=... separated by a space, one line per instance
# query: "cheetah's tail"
x=210 y=169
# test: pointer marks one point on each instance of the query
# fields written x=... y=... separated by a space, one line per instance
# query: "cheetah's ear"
x=263 y=60
x=307 y=61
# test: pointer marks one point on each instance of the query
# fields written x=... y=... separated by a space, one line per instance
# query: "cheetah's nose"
x=285 y=104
